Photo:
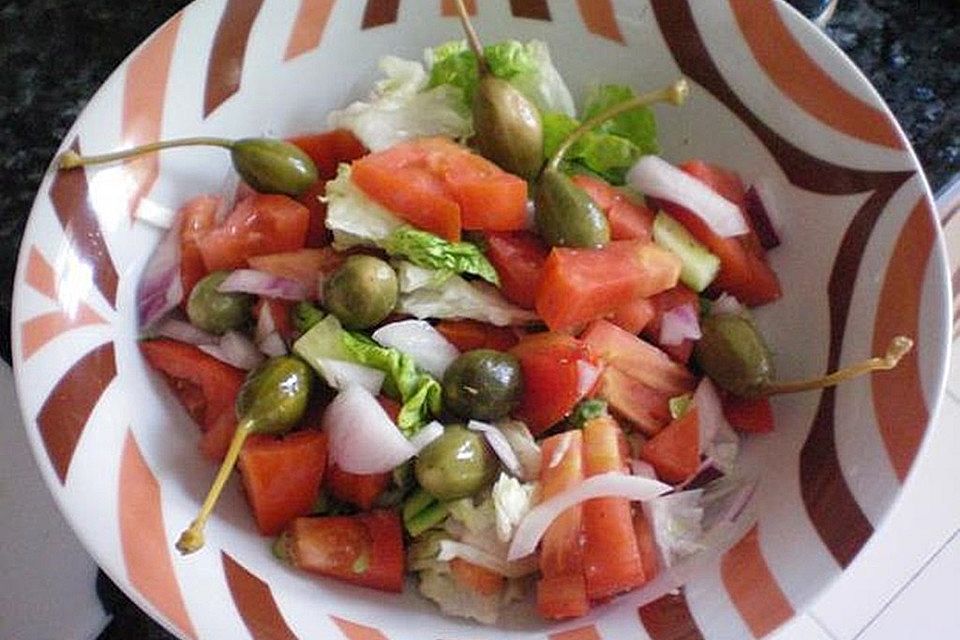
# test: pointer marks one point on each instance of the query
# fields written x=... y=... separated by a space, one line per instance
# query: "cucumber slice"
x=700 y=266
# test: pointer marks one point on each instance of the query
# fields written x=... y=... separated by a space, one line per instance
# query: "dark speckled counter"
x=55 y=53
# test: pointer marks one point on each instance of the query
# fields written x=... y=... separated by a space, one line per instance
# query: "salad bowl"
x=861 y=261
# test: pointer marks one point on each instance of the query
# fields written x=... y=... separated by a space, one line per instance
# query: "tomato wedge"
x=281 y=477
x=675 y=451
x=206 y=387
x=198 y=217
x=361 y=490
x=646 y=409
x=467 y=335
x=329 y=149
x=748 y=415
x=440 y=186
x=580 y=285
x=611 y=558
x=365 y=549
x=304 y=266
x=744 y=272
x=553 y=366
x=518 y=257
x=634 y=316
x=475 y=578
x=628 y=219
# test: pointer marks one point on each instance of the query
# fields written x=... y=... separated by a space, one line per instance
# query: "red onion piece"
x=263 y=284
x=160 y=289
x=500 y=445
x=236 y=350
x=363 y=438
x=183 y=331
x=678 y=324
x=611 y=484
x=760 y=218
x=655 y=177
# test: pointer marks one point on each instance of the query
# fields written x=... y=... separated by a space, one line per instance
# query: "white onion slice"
x=726 y=304
x=267 y=337
x=363 y=438
x=418 y=339
x=561 y=450
x=524 y=445
x=654 y=176
x=263 y=284
x=718 y=440
x=611 y=484
x=426 y=435
x=160 y=289
x=273 y=345
x=340 y=374
x=183 y=331
x=450 y=549
x=678 y=324
x=643 y=469
x=587 y=376
x=500 y=445
x=236 y=350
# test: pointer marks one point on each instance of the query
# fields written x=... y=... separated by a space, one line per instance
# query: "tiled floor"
x=904 y=584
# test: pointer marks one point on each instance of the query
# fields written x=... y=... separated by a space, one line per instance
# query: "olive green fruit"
x=733 y=354
x=362 y=292
x=273 y=166
x=566 y=216
x=215 y=311
x=482 y=384
x=457 y=464
x=508 y=126
x=275 y=395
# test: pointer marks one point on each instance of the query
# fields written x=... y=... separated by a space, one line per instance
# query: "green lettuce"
x=527 y=67
x=433 y=252
x=419 y=393
x=639 y=126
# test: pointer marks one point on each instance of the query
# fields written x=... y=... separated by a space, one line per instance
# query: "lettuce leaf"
x=419 y=393
x=401 y=107
x=639 y=126
x=527 y=67
x=433 y=252
x=427 y=293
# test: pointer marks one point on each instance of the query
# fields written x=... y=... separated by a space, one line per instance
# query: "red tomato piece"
x=561 y=552
x=361 y=490
x=580 y=285
x=317 y=233
x=552 y=366
x=215 y=441
x=645 y=408
x=628 y=219
x=634 y=316
x=329 y=149
x=281 y=477
x=562 y=597
x=611 y=558
x=675 y=451
x=475 y=578
x=518 y=257
x=206 y=387
x=467 y=335
x=365 y=549
x=305 y=265
x=259 y=224
x=667 y=301
x=198 y=216
x=649 y=557
x=748 y=415
x=638 y=359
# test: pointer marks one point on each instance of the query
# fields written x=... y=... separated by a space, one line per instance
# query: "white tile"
x=802 y=627
x=901 y=545
x=927 y=607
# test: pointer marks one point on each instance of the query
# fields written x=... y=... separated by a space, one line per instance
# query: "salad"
x=473 y=334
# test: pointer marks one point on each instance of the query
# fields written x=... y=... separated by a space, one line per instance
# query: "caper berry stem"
x=898 y=348
x=674 y=94
x=71 y=159
x=472 y=38
x=192 y=538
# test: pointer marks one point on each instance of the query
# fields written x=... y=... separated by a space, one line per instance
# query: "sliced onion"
x=587 y=376
x=726 y=304
x=561 y=450
x=450 y=549
x=426 y=435
x=363 y=438
x=263 y=284
x=611 y=484
x=236 y=350
x=340 y=374
x=757 y=203
x=184 y=332
x=267 y=337
x=273 y=345
x=418 y=339
x=718 y=440
x=160 y=289
x=676 y=521
x=679 y=324
x=500 y=445
x=524 y=445
x=656 y=177
x=643 y=469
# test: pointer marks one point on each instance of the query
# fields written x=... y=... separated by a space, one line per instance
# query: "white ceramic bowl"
x=861 y=260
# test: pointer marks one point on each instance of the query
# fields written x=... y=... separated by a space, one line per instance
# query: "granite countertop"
x=55 y=53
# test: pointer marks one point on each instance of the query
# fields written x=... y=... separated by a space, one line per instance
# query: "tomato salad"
x=468 y=335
